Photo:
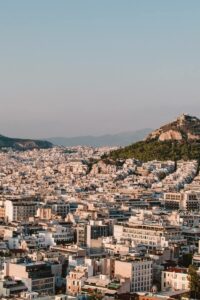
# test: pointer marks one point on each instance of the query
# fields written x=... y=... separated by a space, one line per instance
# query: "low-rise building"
x=37 y=276
x=175 y=279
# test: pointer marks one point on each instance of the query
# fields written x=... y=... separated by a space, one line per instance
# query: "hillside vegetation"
x=156 y=150
x=177 y=140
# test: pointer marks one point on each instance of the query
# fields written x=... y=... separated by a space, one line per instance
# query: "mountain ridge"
x=118 y=139
x=23 y=144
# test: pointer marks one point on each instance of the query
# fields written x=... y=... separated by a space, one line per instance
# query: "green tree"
x=186 y=260
x=194 y=281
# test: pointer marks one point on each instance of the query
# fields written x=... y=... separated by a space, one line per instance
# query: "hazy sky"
x=92 y=67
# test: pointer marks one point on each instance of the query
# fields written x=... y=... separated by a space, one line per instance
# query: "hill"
x=174 y=141
x=23 y=144
x=184 y=128
x=120 y=139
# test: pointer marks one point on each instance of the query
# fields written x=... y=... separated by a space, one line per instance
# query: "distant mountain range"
x=177 y=140
x=23 y=144
x=119 y=139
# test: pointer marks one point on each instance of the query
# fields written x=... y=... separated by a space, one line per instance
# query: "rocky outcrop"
x=170 y=135
x=185 y=127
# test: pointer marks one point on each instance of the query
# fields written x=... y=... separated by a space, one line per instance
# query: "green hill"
x=157 y=150
x=23 y=144
x=177 y=140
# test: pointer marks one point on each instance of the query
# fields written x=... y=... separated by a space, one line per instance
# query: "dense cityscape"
x=99 y=150
x=74 y=226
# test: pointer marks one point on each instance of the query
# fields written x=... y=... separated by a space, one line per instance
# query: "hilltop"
x=177 y=140
x=184 y=128
x=23 y=144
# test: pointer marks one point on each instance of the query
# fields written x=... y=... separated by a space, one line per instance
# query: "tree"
x=186 y=260
x=194 y=281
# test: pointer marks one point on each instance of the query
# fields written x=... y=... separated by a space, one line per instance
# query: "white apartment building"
x=57 y=235
x=151 y=235
x=175 y=279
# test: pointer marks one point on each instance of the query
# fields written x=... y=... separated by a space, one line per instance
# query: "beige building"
x=44 y=213
x=138 y=270
x=37 y=276
x=2 y=212
x=189 y=200
x=76 y=279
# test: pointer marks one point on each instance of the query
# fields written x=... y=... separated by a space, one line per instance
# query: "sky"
x=74 y=67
